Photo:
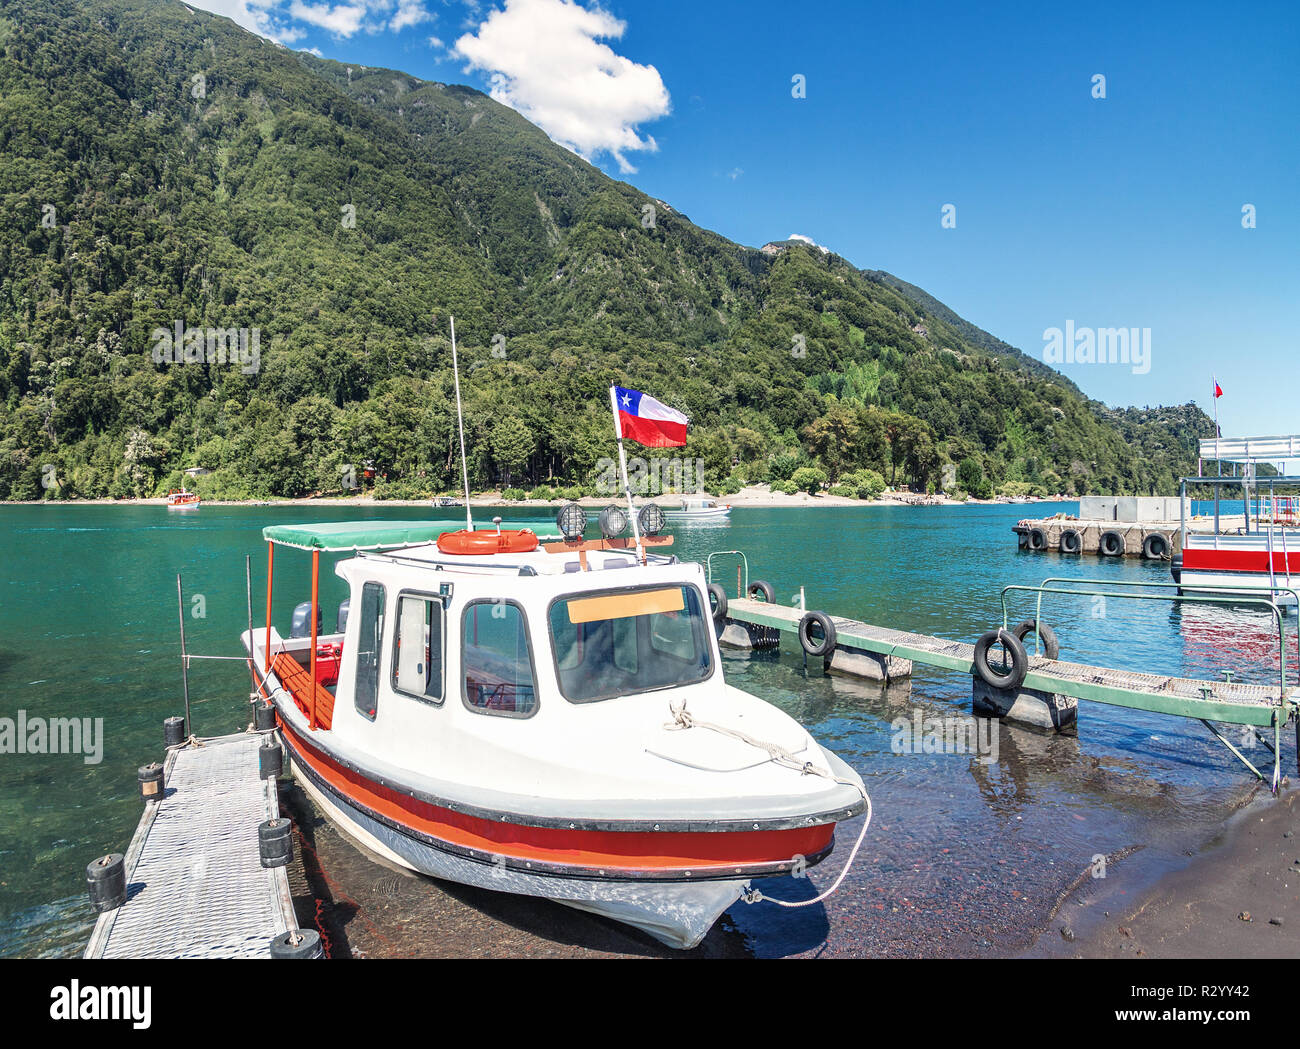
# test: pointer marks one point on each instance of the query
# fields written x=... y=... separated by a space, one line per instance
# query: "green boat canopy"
x=384 y=535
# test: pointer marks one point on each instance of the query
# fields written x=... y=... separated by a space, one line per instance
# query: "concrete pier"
x=1031 y=706
x=874 y=666
x=1054 y=534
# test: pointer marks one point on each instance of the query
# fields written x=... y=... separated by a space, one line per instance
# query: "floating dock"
x=1051 y=689
x=1071 y=535
x=196 y=887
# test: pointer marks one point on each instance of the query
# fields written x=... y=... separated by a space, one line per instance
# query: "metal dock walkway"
x=1230 y=702
x=196 y=887
x=1051 y=689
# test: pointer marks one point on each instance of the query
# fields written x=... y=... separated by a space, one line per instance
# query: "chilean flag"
x=644 y=420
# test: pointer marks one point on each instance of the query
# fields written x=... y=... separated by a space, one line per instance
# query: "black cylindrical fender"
x=297 y=943
x=106 y=882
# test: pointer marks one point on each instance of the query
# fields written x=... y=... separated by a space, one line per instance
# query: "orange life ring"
x=519 y=541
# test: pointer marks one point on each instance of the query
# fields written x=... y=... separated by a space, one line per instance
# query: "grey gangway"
x=196 y=887
x=886 y=654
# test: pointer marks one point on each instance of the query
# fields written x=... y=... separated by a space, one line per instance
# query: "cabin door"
x=418 y=670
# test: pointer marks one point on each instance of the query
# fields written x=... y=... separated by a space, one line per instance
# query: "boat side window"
x=417 y=651
x=498 y=660
x=370 y=640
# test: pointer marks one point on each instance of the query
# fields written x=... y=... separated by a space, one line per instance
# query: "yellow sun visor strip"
x=624 y=606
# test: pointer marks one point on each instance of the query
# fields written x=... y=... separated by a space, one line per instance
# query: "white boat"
x=549 y=719
x=1262 y=558
x=182 y=500
x=698 y=509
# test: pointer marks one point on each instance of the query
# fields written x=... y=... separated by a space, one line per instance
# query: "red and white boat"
x=182 y=500
x=1254 y=550
x=1251 y=564
x=549 y=719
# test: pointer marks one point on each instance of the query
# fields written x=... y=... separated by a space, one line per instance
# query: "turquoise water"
x=89 y=628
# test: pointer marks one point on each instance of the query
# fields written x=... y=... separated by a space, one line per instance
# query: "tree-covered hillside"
x=161 y=167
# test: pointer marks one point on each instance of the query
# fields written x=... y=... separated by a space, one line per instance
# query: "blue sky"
x=1122 y=211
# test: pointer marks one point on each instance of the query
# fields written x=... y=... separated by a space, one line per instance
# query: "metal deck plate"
x=196 y=887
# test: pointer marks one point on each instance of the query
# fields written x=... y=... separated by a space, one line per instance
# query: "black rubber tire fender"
x=1156 y=547
x=1014 y=677
x=1071 y=542
x=1051 y=647
x=718 y=602
x=826 y=646
x=1110 y=543
x=761 y=590
x=1037 y=539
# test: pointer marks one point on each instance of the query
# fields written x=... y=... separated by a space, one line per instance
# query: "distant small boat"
x=448 y=500
x=182 y=500
x=698 y=510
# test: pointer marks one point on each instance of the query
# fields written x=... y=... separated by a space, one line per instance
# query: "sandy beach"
x=758 y=496
x=1237 y=898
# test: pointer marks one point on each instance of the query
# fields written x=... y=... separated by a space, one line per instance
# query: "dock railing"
x=1107 y=588
x=742 y=568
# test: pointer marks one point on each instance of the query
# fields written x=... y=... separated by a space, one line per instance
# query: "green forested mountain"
x=161 y=167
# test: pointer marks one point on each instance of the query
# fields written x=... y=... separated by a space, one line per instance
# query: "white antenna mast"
x=460 y=422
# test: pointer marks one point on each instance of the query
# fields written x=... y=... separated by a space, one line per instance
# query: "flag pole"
x=1218 y=489
x=460 y=423
x=622 y=463
x=1214 y=396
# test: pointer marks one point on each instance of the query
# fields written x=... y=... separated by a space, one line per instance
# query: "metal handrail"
x=1199 y=597
x=740 y=587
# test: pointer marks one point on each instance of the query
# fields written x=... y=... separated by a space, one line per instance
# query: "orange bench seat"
x=298 y=680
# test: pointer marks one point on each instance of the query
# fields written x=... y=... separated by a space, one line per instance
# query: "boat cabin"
x=497 y=621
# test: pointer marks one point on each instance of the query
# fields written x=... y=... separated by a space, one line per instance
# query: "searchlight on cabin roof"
x=651 y=519
x=571 y=521
x=613 y=521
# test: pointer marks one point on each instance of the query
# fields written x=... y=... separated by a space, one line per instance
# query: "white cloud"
x=436 y=43
x=545 y=60
x=258 y=16
x=409 y=13
x=275 y=19
x=809 y=241
x=339 y=19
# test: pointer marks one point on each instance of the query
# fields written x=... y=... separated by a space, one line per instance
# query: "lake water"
x=962 y=858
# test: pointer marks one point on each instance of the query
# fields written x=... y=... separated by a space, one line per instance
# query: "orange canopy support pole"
x=315 y=595
x=270 y=578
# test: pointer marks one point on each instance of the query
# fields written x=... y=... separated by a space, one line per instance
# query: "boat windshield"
x=620 y=643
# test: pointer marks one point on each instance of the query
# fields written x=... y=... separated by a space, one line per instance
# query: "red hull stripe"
x=1238 y=561
x=653 y=433
x=617 y=850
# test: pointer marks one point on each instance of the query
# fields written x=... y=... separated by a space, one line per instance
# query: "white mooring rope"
x=780 y=756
